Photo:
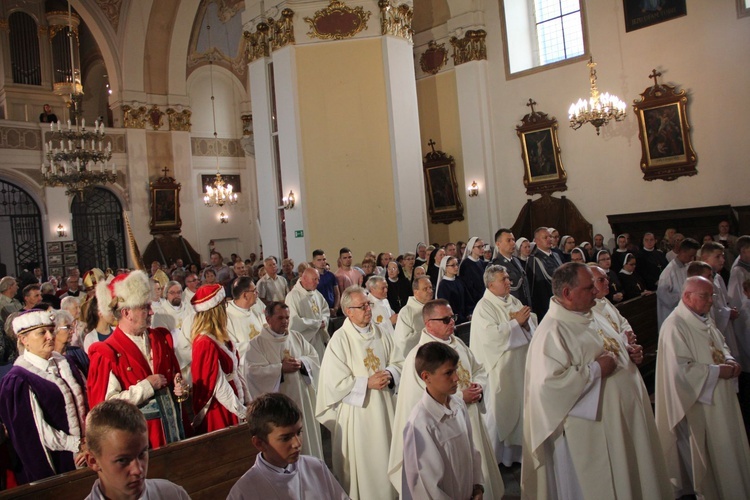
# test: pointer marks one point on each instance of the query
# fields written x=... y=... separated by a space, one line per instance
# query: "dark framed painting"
x=54 y=247
x=543 y=171
x=70 y=259
x=69 y=246
x=643 y=13
x=664 y=132
x=55 y=260
x=165 y=205
x=234 y=180
x=444 y=205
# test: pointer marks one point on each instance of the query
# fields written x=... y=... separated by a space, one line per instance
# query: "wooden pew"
x=641 y=314
x=206 y=466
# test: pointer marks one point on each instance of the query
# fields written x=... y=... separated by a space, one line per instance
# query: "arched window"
x=24 y=49
x=21 y=227
x=99 y=231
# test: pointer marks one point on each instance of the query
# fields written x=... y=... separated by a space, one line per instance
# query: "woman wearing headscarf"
x=471 y=272
x=399 y=288
x=621 y=250
x=219 y=391
x=578 y=255
x=420 y=254
x=452 y=289
x=588 y=251
x=604 y=260
x=567 y=244
x=632 y=283
x=433 y=265
x=523 y=250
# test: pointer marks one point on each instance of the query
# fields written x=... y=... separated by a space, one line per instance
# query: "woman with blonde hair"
x=219 y=392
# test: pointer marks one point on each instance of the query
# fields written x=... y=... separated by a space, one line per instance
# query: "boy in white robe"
x=440 y=460
x=280 y=470
x=117 y=440
x=672 y=278
x=281 y=360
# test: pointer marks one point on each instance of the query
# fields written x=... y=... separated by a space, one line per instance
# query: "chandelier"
x=219 y=193
x=75 y=157
x=599 y=109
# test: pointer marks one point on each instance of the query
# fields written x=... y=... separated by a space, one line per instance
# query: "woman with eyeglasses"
x=43 y=403
x=219 y=391
x=604 y=260
x=65 y=327
x=399 y=288
x=452 y=289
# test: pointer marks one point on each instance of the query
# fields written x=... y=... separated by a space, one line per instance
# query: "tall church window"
x=542 y=33
x=24 y=49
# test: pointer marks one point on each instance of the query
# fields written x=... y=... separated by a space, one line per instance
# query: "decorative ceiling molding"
x=111 y=10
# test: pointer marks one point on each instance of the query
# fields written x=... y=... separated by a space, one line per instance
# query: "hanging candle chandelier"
x=599 y=109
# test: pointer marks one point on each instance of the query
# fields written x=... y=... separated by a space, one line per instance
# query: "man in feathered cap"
x=137 y=363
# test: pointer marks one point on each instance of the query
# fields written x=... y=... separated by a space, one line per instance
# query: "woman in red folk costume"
x=219 y=392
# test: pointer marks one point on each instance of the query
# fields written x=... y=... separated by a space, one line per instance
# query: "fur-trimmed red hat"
x=207 y=297
x=126 y=291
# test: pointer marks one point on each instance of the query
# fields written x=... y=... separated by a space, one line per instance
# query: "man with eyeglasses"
x=440 y=323
x=588 y=427
x=192 y=282
x=358 y=376
x=308 y=310
x=697 y=413
x=172 y=313
x=245 y=314
x=137 y=363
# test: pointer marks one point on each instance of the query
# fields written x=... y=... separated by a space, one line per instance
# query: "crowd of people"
x=413 y=411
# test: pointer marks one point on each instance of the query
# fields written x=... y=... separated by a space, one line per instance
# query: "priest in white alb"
x=382 y=314
x=588 y=428
x=440 y=323
x=172 y=313
x=358 y=377
x=281 y=360
x=697 y=413
x=501 y=329
x=308 y=310
x=410 y=324
x=669 y=289
x=245 y=314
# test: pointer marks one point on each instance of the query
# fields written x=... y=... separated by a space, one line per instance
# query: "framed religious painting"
x=664 y=132
x=444 y=205
x=643 y=13
x=165 y=205
x=543 y=171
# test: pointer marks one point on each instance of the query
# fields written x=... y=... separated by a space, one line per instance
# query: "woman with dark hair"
x=399 y=288
x=98 y=326
x=382 y=262
x=604 y=260
x=219 y=391
x=433 y=265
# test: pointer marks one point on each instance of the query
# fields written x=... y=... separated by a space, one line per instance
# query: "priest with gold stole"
x=358 y=377
x=697 y=413
x=588 y=428
x=281 y=360
x=245 y=316
x=308 y=310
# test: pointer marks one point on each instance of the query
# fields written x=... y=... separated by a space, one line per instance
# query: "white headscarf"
x=469 y=247
x=519 y=242
x=441 y=274
x=624 y=261
x=581 y=251
x=565 y=238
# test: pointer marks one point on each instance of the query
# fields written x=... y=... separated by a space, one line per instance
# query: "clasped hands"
x=379 y=380
x=158 y=381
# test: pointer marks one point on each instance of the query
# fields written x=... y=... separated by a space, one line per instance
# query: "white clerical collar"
x=623 y=271
x=544 y=252
x=438 y=339
x=392 y=280
x=649 y=249
x=274 y=334
x=36 y=361
x=703 y=318
x=364 y=330
x=177 y=308
x=621 y=250
x=241 y=309
x=473 y=259
x=289 y=469
x=449 y=278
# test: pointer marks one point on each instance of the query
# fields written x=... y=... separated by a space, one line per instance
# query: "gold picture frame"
x=543 y=170
x=664 y=132
x=444 y=204
x=165 y=205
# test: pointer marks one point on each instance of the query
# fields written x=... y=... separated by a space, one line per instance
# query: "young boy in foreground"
x=280 y=471
x=117 y=439
x=440 y=460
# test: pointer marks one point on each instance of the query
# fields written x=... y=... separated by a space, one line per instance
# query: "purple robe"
x=16 y=414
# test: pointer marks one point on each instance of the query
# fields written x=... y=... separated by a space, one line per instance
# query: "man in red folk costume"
x=219 y=391
x=137 y=363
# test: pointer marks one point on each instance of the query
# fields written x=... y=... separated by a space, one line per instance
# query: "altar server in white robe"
x=697 y=413
x=440 y=323
x=589 y=431
x=281 y=360
x=173 y=313
x=672 y=278
x=245 y=314
x=410 y=323
x=501 y=329
x=356 y=401
x=281 y=471
x=440 y=460
x=308 y=310
x=740 y=273
x=382 y=314
x=723 y=314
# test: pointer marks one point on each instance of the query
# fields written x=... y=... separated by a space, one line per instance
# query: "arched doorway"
x=20 y=218
x=99 y=230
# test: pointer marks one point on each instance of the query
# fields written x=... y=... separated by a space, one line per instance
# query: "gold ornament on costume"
x=610 y=344
x=469 y=48
x=253 y=332
x=337 y=21
x=434 y=58
x=314 y=306
x=286 y=354
x=717 y=354
x=372 y=362
x=396 y=21
x=379 y=319
x=612 y=322
x=464 y=377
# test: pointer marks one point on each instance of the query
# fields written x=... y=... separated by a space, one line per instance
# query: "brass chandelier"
x=75 y=157
x=599 y=109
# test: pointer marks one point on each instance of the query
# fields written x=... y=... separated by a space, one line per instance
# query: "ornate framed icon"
x=165 y=205
x=540 y=150
x=443 y=202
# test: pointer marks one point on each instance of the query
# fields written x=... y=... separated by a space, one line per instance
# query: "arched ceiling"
x=429 y=14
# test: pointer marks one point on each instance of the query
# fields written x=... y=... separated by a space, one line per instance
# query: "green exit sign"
x=299 y=233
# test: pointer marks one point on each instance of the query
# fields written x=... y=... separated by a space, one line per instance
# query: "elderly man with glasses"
x=440 y=323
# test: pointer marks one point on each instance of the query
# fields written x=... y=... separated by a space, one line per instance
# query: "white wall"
x=706 y=53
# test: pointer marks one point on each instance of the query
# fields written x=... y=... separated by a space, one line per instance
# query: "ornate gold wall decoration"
x=179 y=121
x=281 y=32
x=257 y=43
x=134 y=117
x=337 y=21
x=396 y=21
x=42 y=31
x=434 y=58
x=469 y=48
x=247 y=124
x=155 y=117
x=111 y=9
